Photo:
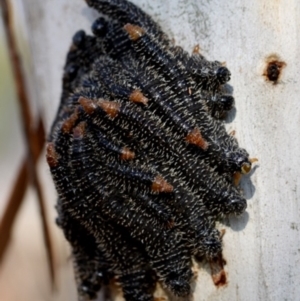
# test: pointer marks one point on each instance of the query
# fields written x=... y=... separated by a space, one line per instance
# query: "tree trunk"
x=261 y=248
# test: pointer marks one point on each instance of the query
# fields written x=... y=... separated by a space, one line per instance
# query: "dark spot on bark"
x=273 y=69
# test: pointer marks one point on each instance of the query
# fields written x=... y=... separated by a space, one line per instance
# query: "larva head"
x=236 y=206
x=212 y=244
x=233 y=204
x=201 y=69
x=222 y=74
x=228 y=202
x=221 y=104
x=237 y=161
x=209 y=242
x=99 y=27
x=179 y=286
x=70 y=72
x=78 y=38
x=226 y=101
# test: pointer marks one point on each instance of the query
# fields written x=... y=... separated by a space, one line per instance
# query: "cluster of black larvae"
x=141 y=161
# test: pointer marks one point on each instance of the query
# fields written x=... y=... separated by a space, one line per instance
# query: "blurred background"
x=24 y=271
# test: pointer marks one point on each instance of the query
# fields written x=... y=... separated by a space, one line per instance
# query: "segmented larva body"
x=142 y=164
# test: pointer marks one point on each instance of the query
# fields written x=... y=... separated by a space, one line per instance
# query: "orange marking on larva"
x=111 y=108
x=224 y=64
x=170 y=224
x=232 y=133
x=115 y=286
x=51 y=155
x=237 y=178
x=79 y=130
x=88 y=105
x=195 y=137
x=218 y=274
x=138 y=97
x=196 y=49
x=70 y=122
x=127 y=154
x=253 y=160
x=160 y=185
x=73 y=47
x=134 y=31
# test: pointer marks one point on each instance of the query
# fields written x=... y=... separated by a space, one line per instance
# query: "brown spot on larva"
x=196 y=49
x=170 y=224
x=88 y=105
x=138 y=97
x=127 y=154
x=51 y=155
x=218 y=274
x=222 y=233
x=195 y=137
x=160 y=185
x=273 y=69
x=79 y=130
x=134 y=31
x=115 y=288
x=70 y=122
x=160 y=299
x=237 y=178
x=111 y=108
